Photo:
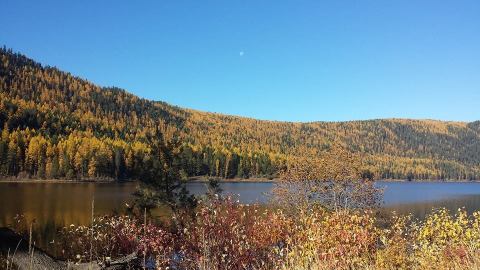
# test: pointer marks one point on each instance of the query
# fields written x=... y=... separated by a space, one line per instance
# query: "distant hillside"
x=56 y=125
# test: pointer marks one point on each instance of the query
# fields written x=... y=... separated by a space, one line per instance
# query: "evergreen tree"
x=162 y=183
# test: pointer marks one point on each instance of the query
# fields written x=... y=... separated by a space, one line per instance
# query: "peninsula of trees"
x=56 y=125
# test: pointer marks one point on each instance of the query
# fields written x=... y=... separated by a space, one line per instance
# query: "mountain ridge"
x=62 y=109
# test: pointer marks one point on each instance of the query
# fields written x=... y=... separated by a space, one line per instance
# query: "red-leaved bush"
x=224 y=234
x=117 y=236
x=229 y=235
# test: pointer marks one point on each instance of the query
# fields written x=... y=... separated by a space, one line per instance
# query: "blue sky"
x=278 y=60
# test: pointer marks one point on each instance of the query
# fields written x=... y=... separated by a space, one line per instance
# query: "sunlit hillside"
x=56 y=125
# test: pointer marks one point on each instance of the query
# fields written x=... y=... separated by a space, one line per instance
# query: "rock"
x=17 y=247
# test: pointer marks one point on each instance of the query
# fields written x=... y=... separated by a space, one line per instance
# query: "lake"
x=54 y=205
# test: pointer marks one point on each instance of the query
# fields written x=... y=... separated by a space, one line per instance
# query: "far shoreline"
x=60 y=181
x=205 y=179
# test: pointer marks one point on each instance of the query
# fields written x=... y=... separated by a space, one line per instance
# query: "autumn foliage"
x=227 y=235
x=56 y=112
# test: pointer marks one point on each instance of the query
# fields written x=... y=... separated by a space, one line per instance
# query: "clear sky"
x=278 y=60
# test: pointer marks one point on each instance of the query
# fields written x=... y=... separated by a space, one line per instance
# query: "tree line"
x=81 y=155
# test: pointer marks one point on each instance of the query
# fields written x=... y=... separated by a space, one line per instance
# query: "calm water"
x=54 y=205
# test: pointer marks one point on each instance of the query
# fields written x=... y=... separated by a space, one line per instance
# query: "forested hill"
x=56 y=125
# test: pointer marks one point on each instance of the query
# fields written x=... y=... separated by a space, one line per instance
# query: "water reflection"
x=246 y=192
x=411 y=192
x=53 y=206
x=419 y=198
x=470 y=203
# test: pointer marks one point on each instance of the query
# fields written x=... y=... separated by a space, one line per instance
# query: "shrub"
x=229 y=235
x=337 y=240
x=224 y=234
x=115 y=237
